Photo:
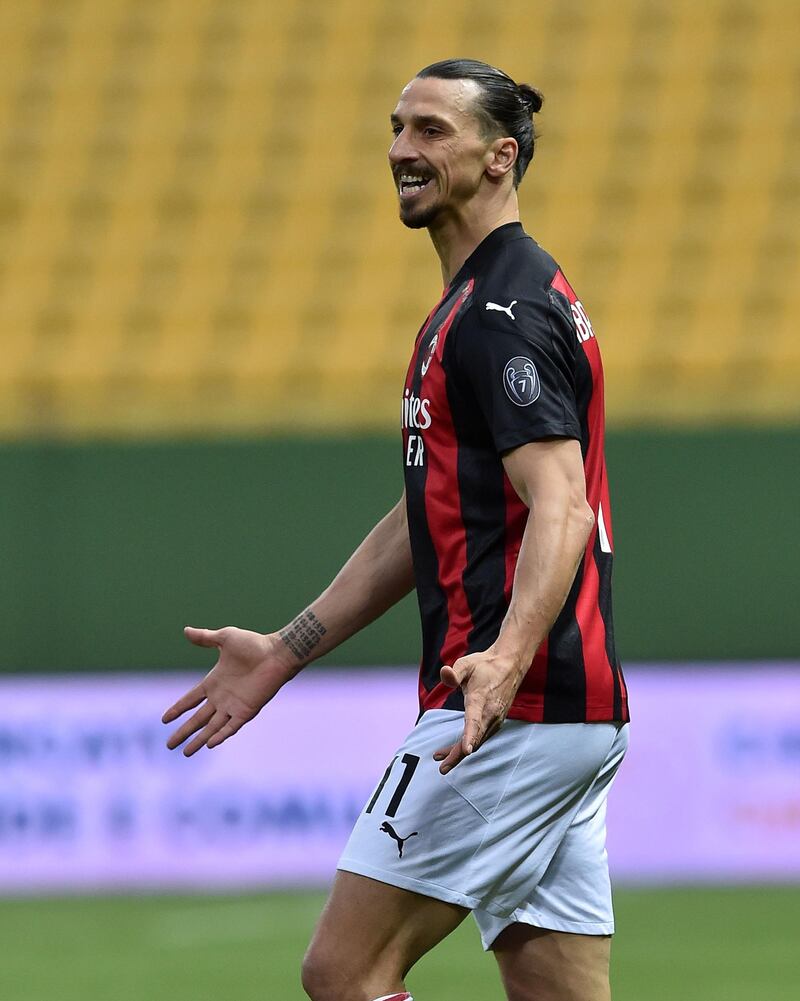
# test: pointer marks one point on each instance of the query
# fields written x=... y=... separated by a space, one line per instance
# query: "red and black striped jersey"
x=508 y=356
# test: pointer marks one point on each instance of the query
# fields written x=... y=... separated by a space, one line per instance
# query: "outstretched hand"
x=489 y=683
x=250 y=670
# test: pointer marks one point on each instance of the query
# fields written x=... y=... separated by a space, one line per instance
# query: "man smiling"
x=504 y=530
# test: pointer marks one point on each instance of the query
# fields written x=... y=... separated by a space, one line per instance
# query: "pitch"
x=695 y=944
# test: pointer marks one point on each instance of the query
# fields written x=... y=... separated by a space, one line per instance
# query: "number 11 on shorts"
x=410 y=762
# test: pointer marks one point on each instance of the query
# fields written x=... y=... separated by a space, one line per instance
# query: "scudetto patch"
x=521 y=381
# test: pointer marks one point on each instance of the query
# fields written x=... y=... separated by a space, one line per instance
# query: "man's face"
x=439 y=155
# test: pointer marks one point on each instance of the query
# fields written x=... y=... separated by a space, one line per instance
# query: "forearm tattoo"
x=303 y=634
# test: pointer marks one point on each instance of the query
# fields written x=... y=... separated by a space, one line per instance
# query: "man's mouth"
x=410 y=185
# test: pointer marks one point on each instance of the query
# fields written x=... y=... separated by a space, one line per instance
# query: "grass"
x=720 y=944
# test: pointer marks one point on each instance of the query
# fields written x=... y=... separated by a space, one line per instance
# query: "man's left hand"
x=489 y=682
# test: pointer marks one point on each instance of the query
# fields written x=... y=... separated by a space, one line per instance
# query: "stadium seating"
x=198 y=231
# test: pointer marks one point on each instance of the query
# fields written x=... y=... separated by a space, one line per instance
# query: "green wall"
x=108 y=549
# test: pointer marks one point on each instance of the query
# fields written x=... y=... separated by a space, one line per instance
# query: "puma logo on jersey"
x=387 y=828
x=503 y=309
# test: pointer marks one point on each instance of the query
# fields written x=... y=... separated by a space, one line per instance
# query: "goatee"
x=419 y=220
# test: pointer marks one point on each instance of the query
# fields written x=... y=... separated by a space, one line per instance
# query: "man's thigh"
x=371 y=933
x=541 y=965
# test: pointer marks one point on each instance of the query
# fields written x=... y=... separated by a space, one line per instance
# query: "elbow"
x=583 y=520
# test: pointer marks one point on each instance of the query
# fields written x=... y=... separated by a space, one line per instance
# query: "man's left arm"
x=548 y=477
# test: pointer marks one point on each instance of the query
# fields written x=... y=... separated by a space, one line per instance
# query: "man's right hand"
x=250 y=671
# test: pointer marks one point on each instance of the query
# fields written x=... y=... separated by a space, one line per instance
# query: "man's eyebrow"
x=421 y=120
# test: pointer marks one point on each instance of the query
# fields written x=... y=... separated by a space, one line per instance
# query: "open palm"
x=250 y=670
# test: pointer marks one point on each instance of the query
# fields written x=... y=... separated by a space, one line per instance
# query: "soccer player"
x=495 y=802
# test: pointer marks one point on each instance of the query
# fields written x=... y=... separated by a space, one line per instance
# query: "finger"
x=216 y=723
x=461 y=749
x=192 y=725
x=449 y=677
x=474 y=723
x=202 y=637
x=455 y=676
x=454 y=755
x=190 y=700
x=442 y=753
x=231 y=727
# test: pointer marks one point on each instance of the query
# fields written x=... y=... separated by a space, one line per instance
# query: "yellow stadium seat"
x=198 y=232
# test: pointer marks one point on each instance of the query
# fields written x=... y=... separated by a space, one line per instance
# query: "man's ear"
x=503 y=155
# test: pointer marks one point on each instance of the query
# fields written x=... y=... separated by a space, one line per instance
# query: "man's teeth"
x=412 y=183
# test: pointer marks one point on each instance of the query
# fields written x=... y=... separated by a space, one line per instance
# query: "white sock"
x=395 y=997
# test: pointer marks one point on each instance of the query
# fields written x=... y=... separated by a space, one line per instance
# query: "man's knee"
x=327 y=977
x=321 y=978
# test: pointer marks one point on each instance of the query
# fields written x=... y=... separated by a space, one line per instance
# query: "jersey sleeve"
x=521 y=371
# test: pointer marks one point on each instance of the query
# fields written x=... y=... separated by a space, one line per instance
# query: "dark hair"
x=504 y=107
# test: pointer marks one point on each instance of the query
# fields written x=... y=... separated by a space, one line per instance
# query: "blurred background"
x=207 y=304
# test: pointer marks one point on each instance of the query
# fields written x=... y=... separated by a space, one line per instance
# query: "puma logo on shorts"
x=387 y=828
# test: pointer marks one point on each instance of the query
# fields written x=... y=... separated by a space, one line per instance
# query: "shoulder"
x=521 y=270
x=518 y=292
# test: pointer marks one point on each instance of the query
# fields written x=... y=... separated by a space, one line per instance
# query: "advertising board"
x=91 y=799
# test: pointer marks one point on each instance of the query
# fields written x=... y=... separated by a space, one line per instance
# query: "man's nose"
x=402 y=150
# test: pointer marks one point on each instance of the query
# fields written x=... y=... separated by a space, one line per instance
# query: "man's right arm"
x=377 y=576
x=252 y=667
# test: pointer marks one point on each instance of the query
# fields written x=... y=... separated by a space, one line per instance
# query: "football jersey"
x=508 y=356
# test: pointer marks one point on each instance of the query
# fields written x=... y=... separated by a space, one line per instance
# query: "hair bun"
x=531 y=98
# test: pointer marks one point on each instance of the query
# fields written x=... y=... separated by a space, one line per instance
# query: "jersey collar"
x=487 y=249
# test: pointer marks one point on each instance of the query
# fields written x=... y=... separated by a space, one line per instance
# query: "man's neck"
x=457 y=237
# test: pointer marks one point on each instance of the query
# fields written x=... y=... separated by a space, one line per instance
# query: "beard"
x=418 y=218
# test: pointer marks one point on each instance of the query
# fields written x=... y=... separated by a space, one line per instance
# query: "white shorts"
x=516 y=832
